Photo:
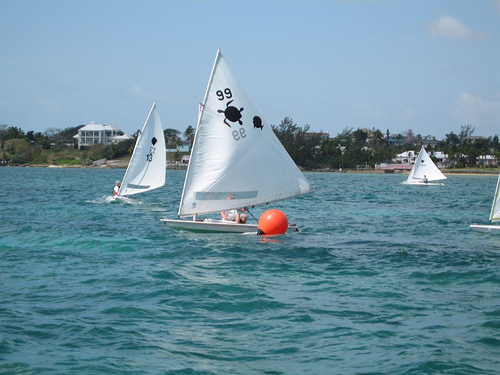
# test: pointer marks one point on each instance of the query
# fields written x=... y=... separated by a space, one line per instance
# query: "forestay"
x=147 y=167
x=237 y=160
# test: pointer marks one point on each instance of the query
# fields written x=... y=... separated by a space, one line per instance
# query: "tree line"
x=348 y=149
x=367 y=147
x=58 y=146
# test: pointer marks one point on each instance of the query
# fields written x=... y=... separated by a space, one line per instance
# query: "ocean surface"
x=383 y=278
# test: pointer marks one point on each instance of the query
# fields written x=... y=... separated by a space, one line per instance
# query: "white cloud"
x=470 y=109
x=138 y=92
x=450 y=27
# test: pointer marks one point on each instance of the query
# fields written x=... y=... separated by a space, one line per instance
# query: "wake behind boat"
x=147 y=167
x=494 y=214
x=424 y=171
x=236 y=160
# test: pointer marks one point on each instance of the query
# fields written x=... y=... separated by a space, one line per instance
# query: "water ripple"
x=389 y=280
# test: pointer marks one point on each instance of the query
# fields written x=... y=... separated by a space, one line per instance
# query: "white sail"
x=236 y=160
x=494 y=215
x=495 y=207
x=423 y=168
x=147 y=167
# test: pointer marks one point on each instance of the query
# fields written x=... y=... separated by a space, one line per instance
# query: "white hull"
x=419 y=182
x=216 y=226
x=486 y=228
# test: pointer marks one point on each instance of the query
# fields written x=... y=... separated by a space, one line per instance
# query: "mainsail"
x=237 y=160
x=495 y=207
x=147 y=167
x=424 y=166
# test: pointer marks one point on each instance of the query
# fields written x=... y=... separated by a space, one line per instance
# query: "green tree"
x=97 y=151
x=10 y=132
x=466 y=131
x=115 y=150
x=301 y=146
x=360 y=137
x=494 y=143
x=451 y=146
x=189 y=135
x=63 y=136
x=170 y=134
x=473 y=149
x=378 y=139
x=330 y=153
x=38 y=139
x=345 y=136
x=16 y=146
x=21 y=151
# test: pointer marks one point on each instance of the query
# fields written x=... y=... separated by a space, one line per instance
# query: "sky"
x=431 y=66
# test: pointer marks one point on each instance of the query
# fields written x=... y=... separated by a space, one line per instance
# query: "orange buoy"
x=272 y=222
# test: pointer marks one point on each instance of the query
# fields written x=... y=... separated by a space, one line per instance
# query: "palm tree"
x=189 y=135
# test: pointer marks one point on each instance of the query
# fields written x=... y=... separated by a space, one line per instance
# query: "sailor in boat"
x=234 y=215
x=116 y=189
x=425 y=179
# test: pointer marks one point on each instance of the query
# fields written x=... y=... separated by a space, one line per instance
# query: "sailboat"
x=424 y=171
x=147 y=167
x=494 y=214
x=236 y=159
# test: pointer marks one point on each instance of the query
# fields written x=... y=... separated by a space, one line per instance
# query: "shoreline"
x=382 y=171
x=121 y=165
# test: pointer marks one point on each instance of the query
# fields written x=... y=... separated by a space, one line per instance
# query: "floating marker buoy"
x=272 y=222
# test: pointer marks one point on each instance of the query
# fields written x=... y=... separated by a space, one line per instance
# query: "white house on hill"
x=407 y=157
x=97 y=133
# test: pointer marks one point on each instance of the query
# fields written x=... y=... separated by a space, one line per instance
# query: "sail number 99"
x=239 y=134
x=226 y=94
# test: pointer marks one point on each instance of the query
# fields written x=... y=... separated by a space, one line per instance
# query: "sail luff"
x=495 y=207
x=200 y=115
x=123 y=185
x=412 y=172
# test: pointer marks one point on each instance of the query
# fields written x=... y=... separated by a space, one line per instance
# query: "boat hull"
x=215 y=226
x=422 y=183
x=486 y=228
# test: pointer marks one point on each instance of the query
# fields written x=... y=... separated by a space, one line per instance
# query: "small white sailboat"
x=236 y=160
x=147 y=167
x=424 y=171
x=494 y=214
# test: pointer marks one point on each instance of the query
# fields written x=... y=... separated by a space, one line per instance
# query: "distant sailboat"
x=494 y=214
x=424 y=171
x=147 y=167
x=236 y=161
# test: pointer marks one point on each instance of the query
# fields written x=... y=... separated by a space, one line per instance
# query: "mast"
x=200 y=115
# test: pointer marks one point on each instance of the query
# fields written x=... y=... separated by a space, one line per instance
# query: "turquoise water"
x=383 y=278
